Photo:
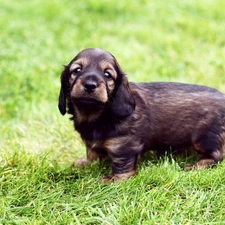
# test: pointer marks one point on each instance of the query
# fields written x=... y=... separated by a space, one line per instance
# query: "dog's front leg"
x=123 y=167
x=91 y=156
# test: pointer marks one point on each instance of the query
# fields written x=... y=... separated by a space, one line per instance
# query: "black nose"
x=90 y=86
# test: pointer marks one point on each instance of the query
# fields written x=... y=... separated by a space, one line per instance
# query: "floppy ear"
x=62 y=102
x=123 y=103
x=64 y=91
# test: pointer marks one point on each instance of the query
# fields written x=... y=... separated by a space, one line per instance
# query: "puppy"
x=122 y=119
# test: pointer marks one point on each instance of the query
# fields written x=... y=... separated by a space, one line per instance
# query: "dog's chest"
x=97 y=132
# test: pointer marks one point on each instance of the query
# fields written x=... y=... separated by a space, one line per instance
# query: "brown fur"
x=121 y=119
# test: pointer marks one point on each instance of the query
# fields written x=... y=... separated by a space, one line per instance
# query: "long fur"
x=121 y=119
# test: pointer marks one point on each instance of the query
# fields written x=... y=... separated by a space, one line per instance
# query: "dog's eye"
x=77 y=70
x=108 y=75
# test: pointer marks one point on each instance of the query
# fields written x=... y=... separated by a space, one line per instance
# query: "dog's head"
x=92 y=82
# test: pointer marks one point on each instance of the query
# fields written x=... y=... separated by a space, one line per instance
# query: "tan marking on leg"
x=91 y=156
x=81 y=162
x=112 y=178
x=114 y=144
x=200 y=165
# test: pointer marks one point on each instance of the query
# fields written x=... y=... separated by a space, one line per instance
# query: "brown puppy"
x=122 y=120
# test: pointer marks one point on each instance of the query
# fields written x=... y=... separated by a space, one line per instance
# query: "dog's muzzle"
x=91 y=82
x=90 y=85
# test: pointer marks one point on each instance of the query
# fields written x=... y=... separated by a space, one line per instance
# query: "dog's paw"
x=81 y=162
x=108 y=179
x=113 y=178
x=200 y=165
x=187 y=167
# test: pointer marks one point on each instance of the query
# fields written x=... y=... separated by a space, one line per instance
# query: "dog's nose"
x=90 y=86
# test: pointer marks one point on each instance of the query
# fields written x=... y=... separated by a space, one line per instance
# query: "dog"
x=122 y=119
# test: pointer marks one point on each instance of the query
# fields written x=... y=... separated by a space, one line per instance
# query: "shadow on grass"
x=181 y=157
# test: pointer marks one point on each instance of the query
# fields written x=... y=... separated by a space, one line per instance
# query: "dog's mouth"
x=86 y=100
x=88 y=104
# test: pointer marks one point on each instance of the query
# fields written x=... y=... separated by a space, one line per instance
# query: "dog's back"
x=176 y=115
x=164 y=87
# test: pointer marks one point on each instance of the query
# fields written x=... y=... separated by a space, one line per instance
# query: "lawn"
x=153 y=41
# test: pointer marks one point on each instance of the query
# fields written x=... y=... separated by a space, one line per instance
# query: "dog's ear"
x=62 y=102
x=64 y=91
x=123 y=103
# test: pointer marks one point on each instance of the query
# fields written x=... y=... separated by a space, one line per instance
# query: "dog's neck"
x=94 y=127
x=86 y=116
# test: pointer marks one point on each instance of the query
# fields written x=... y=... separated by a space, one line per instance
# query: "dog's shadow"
x=180 y=157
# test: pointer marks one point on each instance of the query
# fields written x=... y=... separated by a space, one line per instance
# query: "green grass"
x=153 y=41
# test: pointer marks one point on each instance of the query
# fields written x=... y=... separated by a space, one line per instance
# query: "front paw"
x=112 y=178
x=81 y=162
x=108 y=179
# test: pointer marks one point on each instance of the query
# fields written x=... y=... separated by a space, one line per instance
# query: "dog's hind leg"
x=211 y=149
x=201 y=164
